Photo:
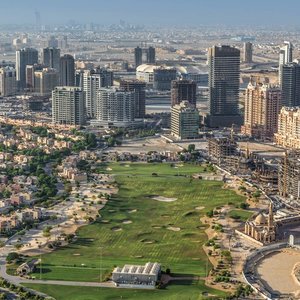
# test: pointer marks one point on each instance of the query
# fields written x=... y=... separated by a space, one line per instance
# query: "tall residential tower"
x=68 y=106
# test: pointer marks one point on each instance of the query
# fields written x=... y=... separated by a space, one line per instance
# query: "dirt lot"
x=145 y=145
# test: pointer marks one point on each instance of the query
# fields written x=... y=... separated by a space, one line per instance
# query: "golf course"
x=155 y=216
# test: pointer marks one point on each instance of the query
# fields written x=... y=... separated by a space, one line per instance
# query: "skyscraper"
x=51 y=58
x=7 y=81
x=30 y=71
x=93 y=80
x=115 y=108
x=290 y=84
x=262 y=105
x=68 y=106
x=138 y=56
x=138 y=87
x=24 y=57
x=151 y=55
x=184 y=121
x=67 y=70
x=183 y=90
x=288 y=134
x=248 y=53
x=45 y=81
x=107 y=76
x=91 y=86
x=224 y=82
x=285 y=57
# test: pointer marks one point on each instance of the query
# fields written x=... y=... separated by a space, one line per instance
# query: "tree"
x=111 y=142
x=191 y=148
x=12 y=256
x=256 y=194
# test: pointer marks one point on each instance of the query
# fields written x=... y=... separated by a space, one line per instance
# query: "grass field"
x=181 y=290
x=135 y=228
x=239 y=214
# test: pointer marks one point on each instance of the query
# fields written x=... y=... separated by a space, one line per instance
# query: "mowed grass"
x=239 y=214
x=180 y=290
x=148 y=238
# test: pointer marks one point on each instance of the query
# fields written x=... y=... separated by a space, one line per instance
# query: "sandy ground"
x=268 y=150
x=276 y=271
x=145 y=145
x=70 y=215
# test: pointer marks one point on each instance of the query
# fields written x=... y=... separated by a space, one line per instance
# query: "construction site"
x=289 y=176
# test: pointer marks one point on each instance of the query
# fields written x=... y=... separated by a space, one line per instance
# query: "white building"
x=68 y=106
x=285 y=56
x=115 y=108
x=91 y=86
x=137 y=275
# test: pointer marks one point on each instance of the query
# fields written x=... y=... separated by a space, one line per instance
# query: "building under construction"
x=289 y=176
x=221 y=148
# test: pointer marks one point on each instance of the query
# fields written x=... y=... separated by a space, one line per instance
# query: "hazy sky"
x=168 y=12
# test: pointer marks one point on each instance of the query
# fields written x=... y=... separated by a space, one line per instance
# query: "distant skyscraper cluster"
x=125 y=103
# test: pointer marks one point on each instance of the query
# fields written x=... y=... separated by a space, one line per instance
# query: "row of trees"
x=23 y=293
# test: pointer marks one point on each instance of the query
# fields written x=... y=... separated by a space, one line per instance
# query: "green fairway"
x=134 y=228
x=180 y=290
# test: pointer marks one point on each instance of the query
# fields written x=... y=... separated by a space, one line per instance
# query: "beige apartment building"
x=288 y=134
x=262 y=105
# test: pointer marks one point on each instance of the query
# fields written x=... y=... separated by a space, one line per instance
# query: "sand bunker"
x=146 y=241
x=111 y=210
x=105 y=221
x=199 y=208
x=156 y=227
x=127 y=222
x=174 y=228
x=116 y=229
x=164 y=199
x=132 y=211
x=127 y=166
x=76 y=254
x=108 y=169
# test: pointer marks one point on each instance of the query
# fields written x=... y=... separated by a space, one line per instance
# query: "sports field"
x=154 y=217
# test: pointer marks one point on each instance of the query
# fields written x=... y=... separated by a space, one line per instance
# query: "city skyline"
x=196 y=12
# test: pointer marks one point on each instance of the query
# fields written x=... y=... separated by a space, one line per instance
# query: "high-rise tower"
x=24 y=57
x=68 y=106
x=224 y=83
x=183 y=90
x=67 y=70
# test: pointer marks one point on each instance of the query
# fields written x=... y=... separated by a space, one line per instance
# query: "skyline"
x=168 y=12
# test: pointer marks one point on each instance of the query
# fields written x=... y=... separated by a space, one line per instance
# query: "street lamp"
x=100 y=269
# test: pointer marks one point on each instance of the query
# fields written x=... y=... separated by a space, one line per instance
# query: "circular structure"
x=274 y=271
x=277 y=271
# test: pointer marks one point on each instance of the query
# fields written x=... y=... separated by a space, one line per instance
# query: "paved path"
x=108 y=284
